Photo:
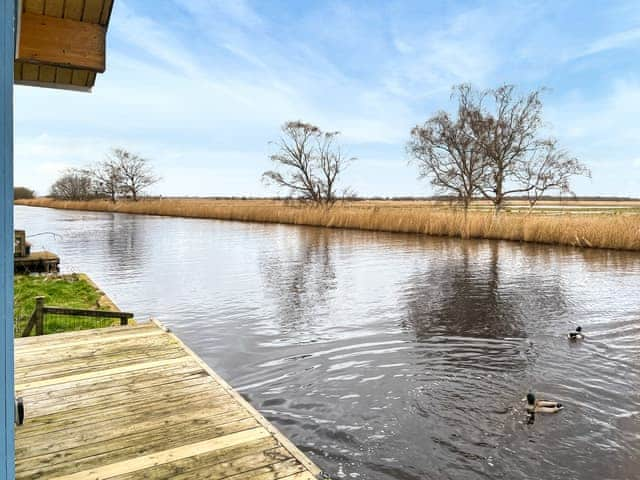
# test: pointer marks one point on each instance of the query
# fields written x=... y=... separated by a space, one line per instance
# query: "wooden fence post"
x=39 y=315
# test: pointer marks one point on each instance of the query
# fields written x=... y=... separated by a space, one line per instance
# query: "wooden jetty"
x=26 y=261
x=37 y=262
x=134 y=402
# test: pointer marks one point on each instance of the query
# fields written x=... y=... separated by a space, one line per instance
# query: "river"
x=389 y=356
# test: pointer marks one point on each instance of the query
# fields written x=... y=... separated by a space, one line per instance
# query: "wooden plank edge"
x=56 y=86
x=35 y=348
x=81 y=335
x=105 y=17
x=284 y=441
x=102 y=373
x=167 y=456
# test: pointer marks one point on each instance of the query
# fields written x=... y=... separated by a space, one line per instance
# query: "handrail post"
x=39 y=313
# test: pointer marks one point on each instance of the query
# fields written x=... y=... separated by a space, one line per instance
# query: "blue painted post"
x=7 y=394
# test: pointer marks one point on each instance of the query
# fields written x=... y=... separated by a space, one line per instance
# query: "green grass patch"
x=68 y=291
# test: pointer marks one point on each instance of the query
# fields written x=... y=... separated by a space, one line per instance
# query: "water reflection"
x=467 y=300
x=299 y=277
x=124 y=241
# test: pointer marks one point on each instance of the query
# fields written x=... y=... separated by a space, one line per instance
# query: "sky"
x=202 y=87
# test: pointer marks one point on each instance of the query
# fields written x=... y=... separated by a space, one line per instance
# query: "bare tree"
x=136 y=172
x=493 y=148
x=505 y=128
x=73 y=184
x=331 y=163
x=445 y=150
x=550 y=169
x=108 y=178
x=308 y=162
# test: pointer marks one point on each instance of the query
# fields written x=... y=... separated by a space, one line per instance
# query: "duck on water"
x=577 y=335
x=542 y=406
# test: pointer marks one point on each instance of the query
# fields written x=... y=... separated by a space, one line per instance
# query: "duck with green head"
x=577 y=335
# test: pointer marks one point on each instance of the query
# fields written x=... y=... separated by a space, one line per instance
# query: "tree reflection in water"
x=470 y=291
x=300 y=277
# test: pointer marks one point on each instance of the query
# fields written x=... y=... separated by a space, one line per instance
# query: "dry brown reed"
x=593 y=230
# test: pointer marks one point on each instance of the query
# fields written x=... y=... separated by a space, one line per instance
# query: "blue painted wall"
x=7 y=42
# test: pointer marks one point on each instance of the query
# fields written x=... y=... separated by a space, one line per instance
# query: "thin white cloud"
x=430 y=60
x=609 y=120
x=603 y=132
x=147 y=35
x=40 y=160
x=622 y=39
x=238 y=11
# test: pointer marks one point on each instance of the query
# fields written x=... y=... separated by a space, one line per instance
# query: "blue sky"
x=202 y=86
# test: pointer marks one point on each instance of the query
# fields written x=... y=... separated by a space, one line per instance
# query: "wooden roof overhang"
x=61 y=43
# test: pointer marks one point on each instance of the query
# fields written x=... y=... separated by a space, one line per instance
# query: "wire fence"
x=46 y=319
x=57 y=323
x=19 y=324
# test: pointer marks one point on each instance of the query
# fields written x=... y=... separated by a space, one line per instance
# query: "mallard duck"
x=577 y=335
x=541 y=406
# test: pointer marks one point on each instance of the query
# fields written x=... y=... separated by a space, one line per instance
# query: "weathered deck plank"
x=130 y=403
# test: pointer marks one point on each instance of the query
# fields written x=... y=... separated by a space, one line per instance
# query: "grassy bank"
x=614 y=228
x=71 y=291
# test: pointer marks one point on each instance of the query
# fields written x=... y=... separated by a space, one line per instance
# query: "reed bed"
x=613 y=230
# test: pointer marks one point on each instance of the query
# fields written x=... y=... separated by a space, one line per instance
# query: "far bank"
x=580 y=224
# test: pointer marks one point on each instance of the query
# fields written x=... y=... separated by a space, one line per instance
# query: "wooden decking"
x=37 y=262
x=134 y=402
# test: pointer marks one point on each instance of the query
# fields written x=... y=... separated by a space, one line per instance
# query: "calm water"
x=390 y=356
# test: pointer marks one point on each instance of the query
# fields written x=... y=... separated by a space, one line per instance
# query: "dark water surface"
x=390 y=356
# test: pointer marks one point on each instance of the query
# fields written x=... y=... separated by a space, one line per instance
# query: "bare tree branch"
x=446 y=152
x=108 y=178
x=493 y=148
x=550 y=169
x=136 y=172
x=73 y=184
x=308 y=163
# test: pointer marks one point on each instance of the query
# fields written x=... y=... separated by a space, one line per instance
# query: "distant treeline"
x=23 y=193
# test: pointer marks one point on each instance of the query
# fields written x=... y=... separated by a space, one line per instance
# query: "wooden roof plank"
x=73 y=9
x=33 y=6
x=47 y=74
x=62 y=42
x=106 y=12
x=91 y=79
x=79 y=77
x=73 y=52
x=54 y=8
x=17 y=72
x=30 y=72
x=63 y=75
x=92 y=11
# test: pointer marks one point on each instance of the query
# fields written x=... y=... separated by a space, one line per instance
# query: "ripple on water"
x=390 y=356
